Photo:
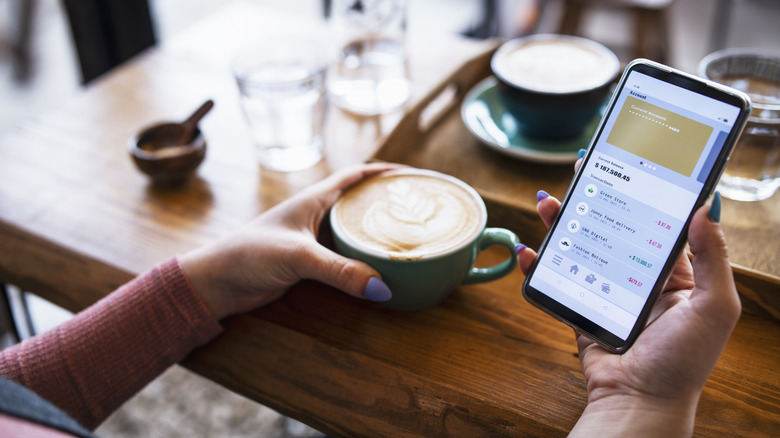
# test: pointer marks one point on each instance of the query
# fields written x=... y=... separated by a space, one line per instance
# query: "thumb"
x=351 y=276
x=715 y=291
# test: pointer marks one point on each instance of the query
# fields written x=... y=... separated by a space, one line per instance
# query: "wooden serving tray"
x=432 y=135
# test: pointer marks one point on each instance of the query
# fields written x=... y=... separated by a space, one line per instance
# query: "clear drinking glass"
x=282 y=88
x=370 y=75
x=753 y=172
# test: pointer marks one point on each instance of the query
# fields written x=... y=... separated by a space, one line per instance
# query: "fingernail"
x=520 y=247
x=377 y=291
x=541 y=194
x=581 y=153
x=714 y=213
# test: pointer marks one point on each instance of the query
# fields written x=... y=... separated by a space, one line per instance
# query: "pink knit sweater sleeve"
x=93 y=363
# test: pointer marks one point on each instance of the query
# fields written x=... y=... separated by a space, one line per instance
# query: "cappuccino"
x=421 y=230
x=554 y=85
x=409 y=215
x=557 y=64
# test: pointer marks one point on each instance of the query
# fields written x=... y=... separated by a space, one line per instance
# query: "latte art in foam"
x=408 y=216
x=412 y=219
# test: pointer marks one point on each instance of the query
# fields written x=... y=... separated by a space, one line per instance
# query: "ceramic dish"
x=485 y=117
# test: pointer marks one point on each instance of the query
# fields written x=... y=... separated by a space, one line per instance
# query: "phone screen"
x=658 y=153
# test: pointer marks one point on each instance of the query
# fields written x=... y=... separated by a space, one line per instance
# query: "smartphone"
x=656 y=156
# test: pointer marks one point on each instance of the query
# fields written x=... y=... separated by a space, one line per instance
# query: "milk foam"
x=556 y=66
x=409 y=216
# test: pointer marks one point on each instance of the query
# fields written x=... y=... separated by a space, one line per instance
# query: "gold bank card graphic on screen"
x=659 y=135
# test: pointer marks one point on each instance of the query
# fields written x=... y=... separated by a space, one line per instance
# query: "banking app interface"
x=632 y=200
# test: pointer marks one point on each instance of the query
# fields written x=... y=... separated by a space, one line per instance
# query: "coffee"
x=556 y=65
x=410 y=215
x=422 y=231
x=554 y=86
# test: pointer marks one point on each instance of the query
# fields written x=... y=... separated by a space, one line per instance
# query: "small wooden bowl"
x=158 y=153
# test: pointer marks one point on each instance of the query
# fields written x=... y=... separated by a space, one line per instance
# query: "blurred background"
x=41 y=67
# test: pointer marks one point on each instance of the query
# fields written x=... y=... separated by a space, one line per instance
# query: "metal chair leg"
x=8 y=332
x=15 y=317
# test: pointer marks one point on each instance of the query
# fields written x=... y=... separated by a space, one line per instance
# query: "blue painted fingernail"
x=714 y=213
x=520 y=247
x=377 y=291
x=541 y=194
x=581 y=153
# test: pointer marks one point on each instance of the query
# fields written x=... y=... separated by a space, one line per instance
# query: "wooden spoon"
x=189 y=125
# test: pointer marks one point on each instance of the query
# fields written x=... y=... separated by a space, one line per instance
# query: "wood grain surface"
x=77 y=220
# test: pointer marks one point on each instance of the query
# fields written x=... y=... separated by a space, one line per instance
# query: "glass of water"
x=282 y=89
x=370 y=75
x=753 y=171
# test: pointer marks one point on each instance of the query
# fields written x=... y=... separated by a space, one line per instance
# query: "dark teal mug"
x=554 y=85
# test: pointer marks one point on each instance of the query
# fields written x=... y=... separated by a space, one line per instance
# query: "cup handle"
x=490 y=237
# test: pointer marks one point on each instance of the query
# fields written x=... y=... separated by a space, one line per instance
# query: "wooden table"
x=77 y=220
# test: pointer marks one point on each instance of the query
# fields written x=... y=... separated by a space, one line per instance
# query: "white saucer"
x=486 y=117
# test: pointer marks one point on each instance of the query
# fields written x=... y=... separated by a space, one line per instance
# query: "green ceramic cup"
x=420 y=281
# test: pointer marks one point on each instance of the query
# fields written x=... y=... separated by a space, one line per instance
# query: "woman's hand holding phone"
x=654 y=387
